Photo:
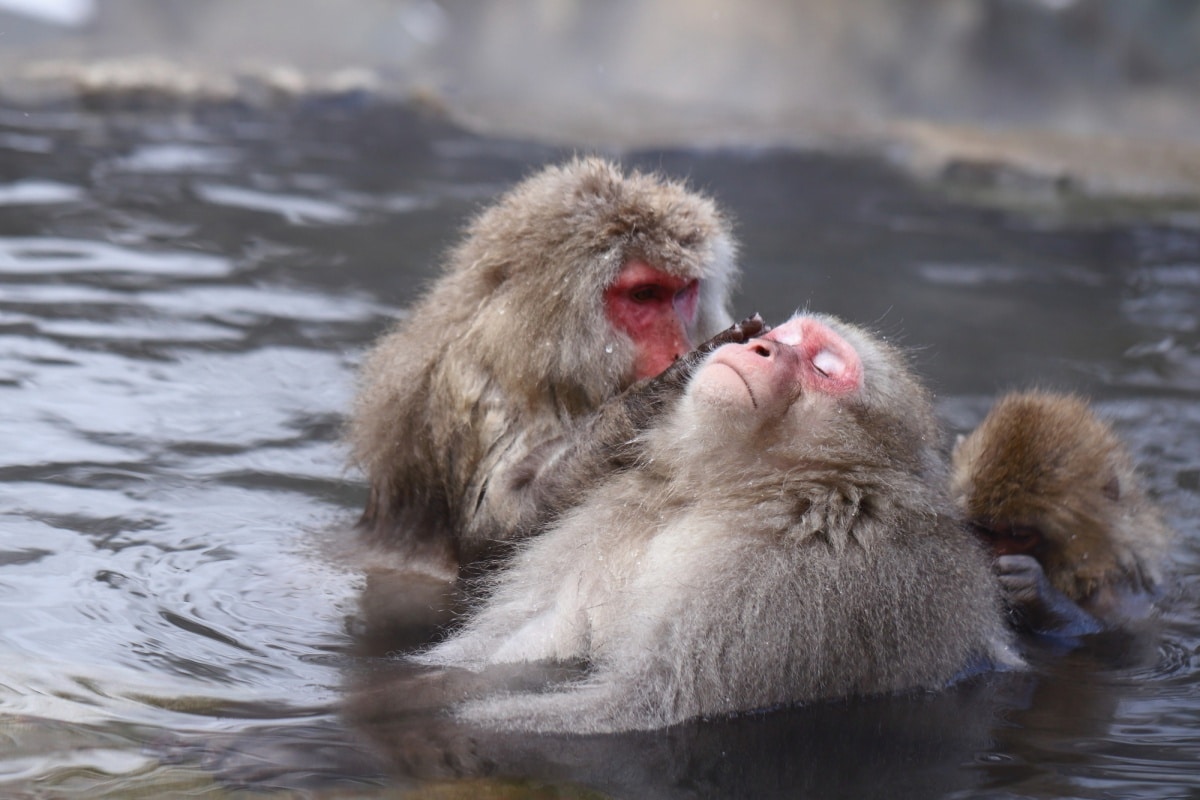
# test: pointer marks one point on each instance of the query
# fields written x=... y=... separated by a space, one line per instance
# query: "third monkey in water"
x=1079 y=546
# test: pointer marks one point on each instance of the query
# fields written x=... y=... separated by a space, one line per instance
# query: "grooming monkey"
x=481 y=411
x=786 y=536
x=1079 y=547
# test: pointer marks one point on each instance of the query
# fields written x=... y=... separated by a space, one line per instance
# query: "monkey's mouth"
x=742 y=378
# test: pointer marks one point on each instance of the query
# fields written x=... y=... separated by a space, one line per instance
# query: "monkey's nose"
x=758 y=348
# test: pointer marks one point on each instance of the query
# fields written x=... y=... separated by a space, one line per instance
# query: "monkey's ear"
x=1112 y=488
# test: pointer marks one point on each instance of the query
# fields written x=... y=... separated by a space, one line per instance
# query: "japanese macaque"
x=786 y=536
x=478 y=414
x=1052 y=490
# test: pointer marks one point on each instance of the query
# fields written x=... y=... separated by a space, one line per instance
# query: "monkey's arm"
x=556 y=474
x=1036 y=604
x=635 y=409
x=520 y=624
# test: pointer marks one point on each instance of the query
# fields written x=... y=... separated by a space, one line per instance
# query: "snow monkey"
x=785 y=536
x=472 y=414
x=1049 y=486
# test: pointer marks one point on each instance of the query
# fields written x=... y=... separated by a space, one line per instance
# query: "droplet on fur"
x=608 y=348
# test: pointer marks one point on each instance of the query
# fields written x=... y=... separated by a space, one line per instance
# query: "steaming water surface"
x=183 y=299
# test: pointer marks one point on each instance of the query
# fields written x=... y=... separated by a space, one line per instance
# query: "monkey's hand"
x=737 y=333
x=633 y=411
x=644 y=401
x=558 y=473
x=678 y=374
x=1036 y=604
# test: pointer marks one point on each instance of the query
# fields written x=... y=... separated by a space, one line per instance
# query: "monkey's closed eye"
x=828 y=363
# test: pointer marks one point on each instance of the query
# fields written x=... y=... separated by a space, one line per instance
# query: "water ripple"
x=296 y=209
x=34 y=192
x=178 y=158
x=50 y=255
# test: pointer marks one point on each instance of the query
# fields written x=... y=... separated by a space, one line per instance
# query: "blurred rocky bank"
x=1096 y=97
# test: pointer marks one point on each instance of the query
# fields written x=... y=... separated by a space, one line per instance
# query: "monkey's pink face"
x=801 y=358
x=657 y=311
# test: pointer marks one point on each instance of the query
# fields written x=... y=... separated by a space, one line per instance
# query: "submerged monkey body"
x=767 y=549
x=625 y=572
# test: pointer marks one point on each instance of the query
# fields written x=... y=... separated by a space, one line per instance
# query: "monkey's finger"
x=1017 y=582
x=1018 y=564
x=737 y=333
x=753 y=325
x=647 y=398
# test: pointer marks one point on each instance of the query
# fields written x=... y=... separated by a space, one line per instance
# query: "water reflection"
x=50 y=255
x=1166 y=299
x=34 y=192
x=182 y=303
x=914 y=746
x=293 y=208
x=176 y=158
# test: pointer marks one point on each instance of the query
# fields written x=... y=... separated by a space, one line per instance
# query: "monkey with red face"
x=479 y=413
x=786 y=536
x=1079 y=546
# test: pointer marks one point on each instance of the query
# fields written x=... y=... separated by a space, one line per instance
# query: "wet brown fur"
x=1045 y=461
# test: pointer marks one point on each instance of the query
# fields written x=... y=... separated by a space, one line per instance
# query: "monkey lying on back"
x=1049 y=486
x=786 y=537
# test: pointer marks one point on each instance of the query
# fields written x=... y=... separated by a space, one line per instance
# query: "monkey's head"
x=1043 y=476
x=817 y=391
x=602 y=278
